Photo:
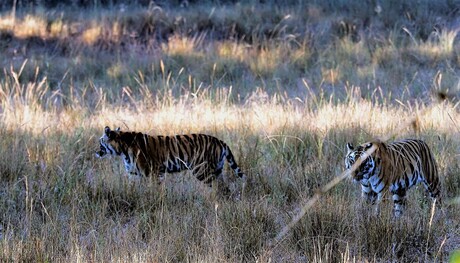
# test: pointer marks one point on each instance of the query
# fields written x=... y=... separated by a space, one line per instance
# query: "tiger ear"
x=350 y=147
x=109 y=133
x=117 y=129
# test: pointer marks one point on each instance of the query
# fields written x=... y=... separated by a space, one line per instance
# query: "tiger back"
x=394 y=167
x=147 y=155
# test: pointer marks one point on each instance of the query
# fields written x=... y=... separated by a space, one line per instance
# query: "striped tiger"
x=396 y=167
x=147 y=155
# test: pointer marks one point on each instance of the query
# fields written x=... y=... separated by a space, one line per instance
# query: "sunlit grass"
x=29 y=26
x=91 y=35
x=439 y=46
x=31 y=106
x=177 y=45
x=7 y=22
x=232 y=50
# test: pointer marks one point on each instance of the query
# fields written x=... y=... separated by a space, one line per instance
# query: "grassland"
x=286 y=84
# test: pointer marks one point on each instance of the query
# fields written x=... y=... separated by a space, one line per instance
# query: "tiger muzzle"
x=102 y=152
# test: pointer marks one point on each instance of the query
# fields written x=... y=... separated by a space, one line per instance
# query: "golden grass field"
x=285 y=84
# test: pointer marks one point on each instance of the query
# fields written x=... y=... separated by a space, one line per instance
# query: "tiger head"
x=110 y=143
x=366 y=167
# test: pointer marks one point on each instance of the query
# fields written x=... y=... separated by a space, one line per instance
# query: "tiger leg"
x=206 y=175
x=378 y=199
x=211 y=175
x=222 y=183
x=161 y=174
x=368 y=194
x=399 y=200
x=216 y=176
x=370 y=197
x=434 y=190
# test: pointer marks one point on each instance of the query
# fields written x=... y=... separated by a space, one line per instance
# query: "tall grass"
x=61 y=203
x=276 y=82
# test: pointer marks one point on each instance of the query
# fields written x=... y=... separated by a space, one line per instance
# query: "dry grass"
x=276 y=82
x=239 y=45
x=60 y=202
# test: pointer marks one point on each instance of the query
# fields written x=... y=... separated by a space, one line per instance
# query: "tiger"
x=394 y=167
x=145 y=155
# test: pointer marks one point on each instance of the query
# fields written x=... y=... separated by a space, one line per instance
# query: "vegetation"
x=285 y=83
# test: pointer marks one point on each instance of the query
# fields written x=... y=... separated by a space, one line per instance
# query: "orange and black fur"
x=394 y=167
x=147 y=155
